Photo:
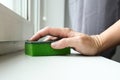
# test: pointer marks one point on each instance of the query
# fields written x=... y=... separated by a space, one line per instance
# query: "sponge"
x=43 y=48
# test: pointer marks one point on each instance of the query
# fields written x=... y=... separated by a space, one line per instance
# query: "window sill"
x=7 y=47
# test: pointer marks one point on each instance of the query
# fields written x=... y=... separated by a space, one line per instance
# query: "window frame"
x=34 y=12
x=37 y=12
x=31 y=11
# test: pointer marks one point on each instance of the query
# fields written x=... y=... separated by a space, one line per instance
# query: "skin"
x=85 y=44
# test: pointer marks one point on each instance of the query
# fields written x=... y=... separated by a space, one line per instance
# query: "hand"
x=86 y=45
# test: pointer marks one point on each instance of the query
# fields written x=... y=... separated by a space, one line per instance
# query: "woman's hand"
x=86 y=45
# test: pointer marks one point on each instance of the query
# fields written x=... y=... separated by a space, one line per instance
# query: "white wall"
x=53 y=11
x=56 y=12
x=13 y=27
x=7 y=3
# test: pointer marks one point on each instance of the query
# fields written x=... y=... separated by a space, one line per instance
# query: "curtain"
x=93 y=16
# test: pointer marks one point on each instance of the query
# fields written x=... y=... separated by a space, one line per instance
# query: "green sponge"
x=40 y=48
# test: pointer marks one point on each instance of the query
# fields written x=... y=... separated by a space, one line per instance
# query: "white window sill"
x=7 y=47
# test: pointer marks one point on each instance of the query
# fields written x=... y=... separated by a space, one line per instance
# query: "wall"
x=52 y=13
x=13 y=27
x=7 y=3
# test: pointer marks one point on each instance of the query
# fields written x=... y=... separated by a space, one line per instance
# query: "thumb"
x=63 y=43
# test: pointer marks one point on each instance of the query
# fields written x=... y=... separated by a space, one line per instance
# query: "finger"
x=63 y=43
x=57 y=32
x=50 y=38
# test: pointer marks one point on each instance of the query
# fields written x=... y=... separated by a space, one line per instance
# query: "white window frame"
x=30 y=10
x=40 y=12
x=34 y=12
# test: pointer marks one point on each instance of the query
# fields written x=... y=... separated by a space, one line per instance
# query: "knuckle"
x=63 y=42
x=70 y=32
x=82 y=37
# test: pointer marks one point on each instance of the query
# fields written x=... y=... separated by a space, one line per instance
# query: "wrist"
x=98 y=43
